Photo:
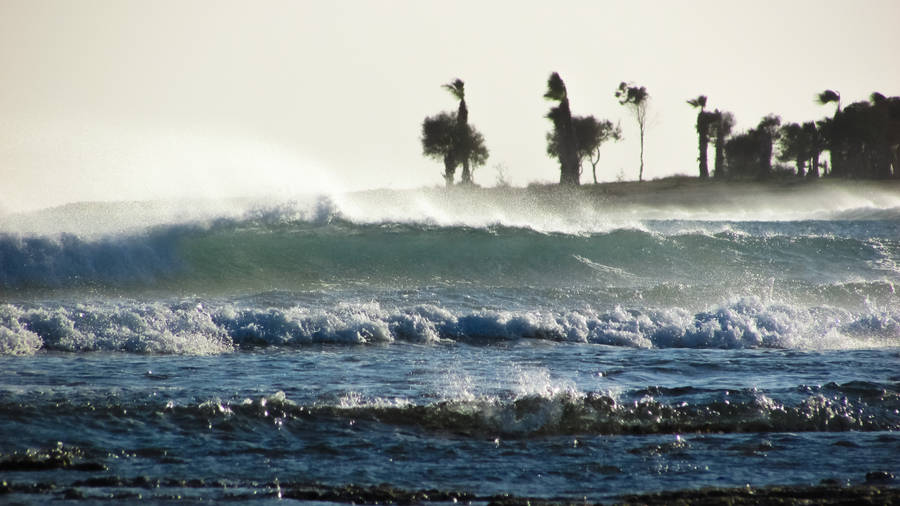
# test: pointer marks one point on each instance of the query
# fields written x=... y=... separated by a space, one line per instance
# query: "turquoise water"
x=427 y=341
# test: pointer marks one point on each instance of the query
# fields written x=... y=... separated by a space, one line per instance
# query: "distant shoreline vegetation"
x=862 y=140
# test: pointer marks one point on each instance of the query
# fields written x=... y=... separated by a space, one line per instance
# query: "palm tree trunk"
x=568 y=173
x=719 y=170
x=704 y=163
x=813 y=165
x=466 y=176
x=641 y=172
x=449 y=169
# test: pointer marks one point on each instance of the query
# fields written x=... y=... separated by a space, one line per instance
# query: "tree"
x=705 y=120
x=563 y=131
x=767 y=132
x=750 y=154
x=886 y=117
x=438 y=141
x=450 y=138
x=605 y=131
x=833 y=142
x=476 y=153
x=636 y=99
x=795 y=145
x=457 y=89
x=723 y=122
x=816 y=145
x=865 y=138
x=828 y=96
x=589 y=135
x=742 y=154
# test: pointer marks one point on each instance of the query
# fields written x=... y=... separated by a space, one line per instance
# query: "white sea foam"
x=185 y=328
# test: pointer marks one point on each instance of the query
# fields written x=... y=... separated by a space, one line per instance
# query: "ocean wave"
x=192 y=328
x=832 y=407
x=275 y=248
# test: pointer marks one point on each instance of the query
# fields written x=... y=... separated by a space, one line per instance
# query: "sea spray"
x=204 y=328
x=551 y=343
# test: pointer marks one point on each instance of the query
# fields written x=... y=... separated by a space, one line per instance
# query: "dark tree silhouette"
x=705 y=121
x=438 y=141
x=723 y=124
x=450 y=138
x=749 y=155
x=795 y=145
x=828 y=96
x=816 y=145
x=457 y=89
x=605 y=131
x=636 y=99
x=742 y=154
x=768 y=134
x=833 y=143
x=590 y=134
x=864 y=138
x=886 y=118
x=563 y=131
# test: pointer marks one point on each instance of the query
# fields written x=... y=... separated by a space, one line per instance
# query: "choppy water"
x=544 y=345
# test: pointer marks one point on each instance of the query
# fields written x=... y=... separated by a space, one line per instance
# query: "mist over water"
x=461 y=263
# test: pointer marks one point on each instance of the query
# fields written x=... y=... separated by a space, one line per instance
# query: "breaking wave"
x=849 y=407
x=192 y=328
x=285 y=247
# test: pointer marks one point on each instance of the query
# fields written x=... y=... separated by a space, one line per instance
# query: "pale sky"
x=125 y=100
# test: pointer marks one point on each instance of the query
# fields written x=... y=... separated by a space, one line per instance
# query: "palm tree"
x=704 y=120
x=449 y=137
x=829 y=96
x=590 y=134
x=834 y=141
x=563 y=131
x=767 y=131
x=723 y=125
x=795 y=145
x=443 y=139
x=457 y=89
x=636 y=98
x=816 y=144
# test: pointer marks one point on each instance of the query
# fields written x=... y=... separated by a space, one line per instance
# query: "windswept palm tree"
x=636 y=99
x=590 y=134
x=704 y=120
x=767 y=131
x=457 y=88
x=724 y=123
x=449 y=137
x=828 y=96
x=563 y=130
x=835 y=141
x=442 y=139
x=795 y=145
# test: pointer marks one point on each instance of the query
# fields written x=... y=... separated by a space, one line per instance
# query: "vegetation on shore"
x=862 y=140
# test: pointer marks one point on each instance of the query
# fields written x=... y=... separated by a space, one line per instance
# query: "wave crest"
x=194 y=328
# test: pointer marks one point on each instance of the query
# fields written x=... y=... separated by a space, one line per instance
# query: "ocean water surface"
x=542 y=344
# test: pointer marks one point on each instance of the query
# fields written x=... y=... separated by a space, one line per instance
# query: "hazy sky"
x=119 y=99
